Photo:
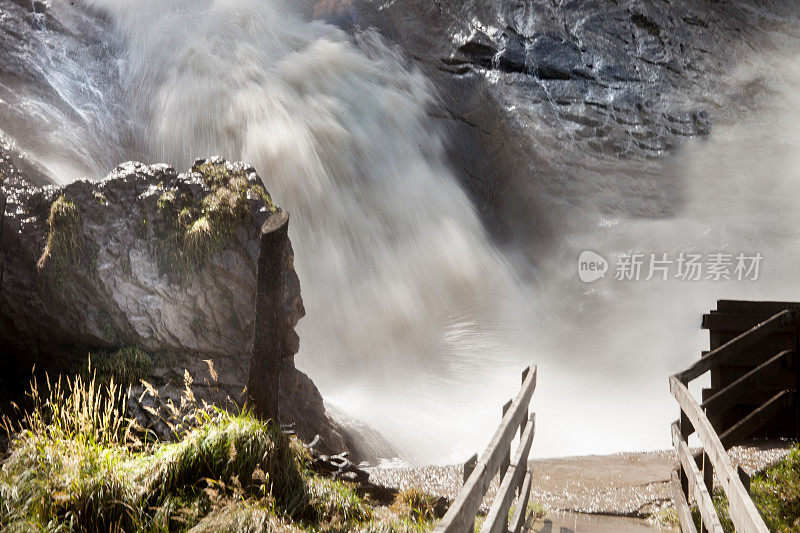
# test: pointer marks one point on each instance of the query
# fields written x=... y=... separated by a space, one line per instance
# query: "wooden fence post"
x=507 y=457
x=263 y=387
x=522 y=425
x=469 y=466
x=685 y=427
x=708 y=480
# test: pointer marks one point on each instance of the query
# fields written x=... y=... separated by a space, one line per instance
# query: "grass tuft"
x=74 y=465
x=416 y=504
x=126 y=366
x=65 y=246
x=223 y=448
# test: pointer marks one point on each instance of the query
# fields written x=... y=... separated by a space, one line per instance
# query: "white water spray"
x=617 y=341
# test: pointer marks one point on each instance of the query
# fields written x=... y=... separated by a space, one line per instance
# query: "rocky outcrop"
x=152 y=259
x=552 y=106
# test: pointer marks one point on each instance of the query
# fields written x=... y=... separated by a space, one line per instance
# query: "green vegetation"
x=666 y=516
x=534 y=510
x=126 y=366
x=65 y=243
x=776 y=493
x=195 y=230
x=76 y=464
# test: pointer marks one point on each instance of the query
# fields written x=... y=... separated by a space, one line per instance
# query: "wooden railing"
x=515 y=475
x=695 y=474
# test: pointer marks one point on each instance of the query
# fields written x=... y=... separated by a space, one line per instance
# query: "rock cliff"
x=155 y=263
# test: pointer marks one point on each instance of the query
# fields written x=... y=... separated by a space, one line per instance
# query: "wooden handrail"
x=681 y=505
x=461 y=514
x=747 y=383
x=511 y=480
x=756 y=419
x=695 y=474
x=741 y=508
x=518 y=520
x=737 y=344
x=697 y=486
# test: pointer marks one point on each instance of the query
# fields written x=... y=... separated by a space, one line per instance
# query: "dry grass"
x=75 y=464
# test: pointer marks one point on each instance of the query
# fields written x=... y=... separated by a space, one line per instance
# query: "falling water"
x=406 y=299
x=416 y=324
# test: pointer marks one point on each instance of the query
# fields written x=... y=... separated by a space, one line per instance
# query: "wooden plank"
x=507 y=457
x=520 y=513
x=738 y=322
x=741 y=508
x=521 y=426
x=733 y=373
x=753 y=422
x=462 y=512
x=496 y=520
x=681 y=505
x=736 y=344
x=469 y=466
x=745 y=477
x=697 y=486
x=760 y=352
x=744 y=306
x=753 y=356
x=745 y=385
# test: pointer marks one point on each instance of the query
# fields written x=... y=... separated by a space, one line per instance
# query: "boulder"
x=160 y=262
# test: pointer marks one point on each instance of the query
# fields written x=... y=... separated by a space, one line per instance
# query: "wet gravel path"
x=623 y=484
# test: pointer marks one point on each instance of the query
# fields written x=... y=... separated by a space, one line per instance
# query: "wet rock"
x=118 y=289
x=552 y=58
x=513 y=56
x=479 y=49
x=524 y=134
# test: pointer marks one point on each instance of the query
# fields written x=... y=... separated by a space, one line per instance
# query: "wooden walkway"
x=514 y=473
x=588 y=523
x=754 y=362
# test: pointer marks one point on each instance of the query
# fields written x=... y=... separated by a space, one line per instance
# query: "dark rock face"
x=556 y=105
x=92 y=265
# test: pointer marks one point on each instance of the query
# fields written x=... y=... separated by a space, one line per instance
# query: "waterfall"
x=416 y=323
x=405 y=295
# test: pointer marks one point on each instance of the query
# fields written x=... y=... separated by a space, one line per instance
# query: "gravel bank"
x=623 y=484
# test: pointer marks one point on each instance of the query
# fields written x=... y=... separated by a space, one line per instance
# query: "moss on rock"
x=65 y=243
x=126 y=366
x=195 y=229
